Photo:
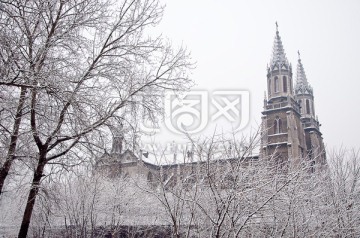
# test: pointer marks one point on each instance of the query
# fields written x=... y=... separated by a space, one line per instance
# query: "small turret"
x=118 y=137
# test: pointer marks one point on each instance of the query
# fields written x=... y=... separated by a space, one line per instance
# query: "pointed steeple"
x=278 y=58
x=302 y=85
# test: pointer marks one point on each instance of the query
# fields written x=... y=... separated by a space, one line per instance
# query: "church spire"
x=278 y=57
x=279 y=72
x=302 y=85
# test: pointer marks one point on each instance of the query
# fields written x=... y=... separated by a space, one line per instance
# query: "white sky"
x=232 y=40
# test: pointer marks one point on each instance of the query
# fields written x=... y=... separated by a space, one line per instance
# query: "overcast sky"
x=232 y=40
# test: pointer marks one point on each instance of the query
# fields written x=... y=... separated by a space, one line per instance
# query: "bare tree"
x=343 y=200
x=10 y=147
x=227 y=192
x=12 y=100
x=85 y=61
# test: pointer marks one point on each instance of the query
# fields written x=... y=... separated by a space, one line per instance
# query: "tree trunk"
x=32 y=196
x=4 y=170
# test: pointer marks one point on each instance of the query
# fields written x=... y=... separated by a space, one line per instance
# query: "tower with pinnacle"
x=304 y=95
x=290 y=131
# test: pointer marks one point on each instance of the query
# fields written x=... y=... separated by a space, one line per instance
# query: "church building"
x=290 y=131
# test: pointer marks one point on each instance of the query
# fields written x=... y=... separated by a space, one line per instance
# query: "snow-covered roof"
x=190 y=157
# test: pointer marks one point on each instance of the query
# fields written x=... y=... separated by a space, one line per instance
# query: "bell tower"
x=282 y=136
x=304 y=95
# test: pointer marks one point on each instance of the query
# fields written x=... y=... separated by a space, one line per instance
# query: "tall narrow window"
x=307 y=106
x=312 y=107
x=276 y=84
x=312 y=166
x=277 y=126
x=285 y=84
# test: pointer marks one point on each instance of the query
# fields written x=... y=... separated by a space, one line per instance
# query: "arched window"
x=276 y=84
x=285 y=84
x=307 y=106
x=277 y=126
x=301 y=109
x=312 y=166
x=312 y=107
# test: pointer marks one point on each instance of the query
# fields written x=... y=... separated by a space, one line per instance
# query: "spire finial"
x=277 y=26
x=299 y=54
